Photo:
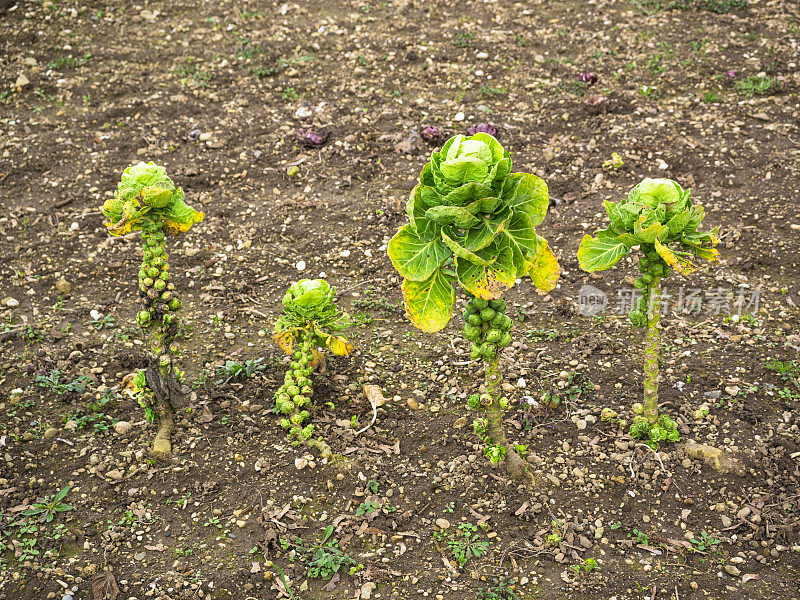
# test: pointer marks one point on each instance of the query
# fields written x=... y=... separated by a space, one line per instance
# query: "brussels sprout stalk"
x=310 y=321
x=147 y=200
x=659 y=217
x=652 y=349
x=471 y=222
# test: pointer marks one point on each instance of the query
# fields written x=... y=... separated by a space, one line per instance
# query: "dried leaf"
x=104 y=586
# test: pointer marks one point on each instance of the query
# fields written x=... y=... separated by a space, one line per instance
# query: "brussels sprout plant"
x=659 y=217
x=310 y=321
x=471 y=222
x=147 y=200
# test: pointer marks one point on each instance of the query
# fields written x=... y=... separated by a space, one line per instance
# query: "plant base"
x=162 y=444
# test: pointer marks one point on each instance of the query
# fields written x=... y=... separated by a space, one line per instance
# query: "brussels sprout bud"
x=305 y=414
x=168 y=319
x=147 y=282
x=638 y=408
x=156 y=261
x=487 y=314
x=297 y=419
x=474 y=320
x=306 y=390
x=152 y=293
x=653 y=255
x=472 y=333
x=164 y=275
x=143 y=318
x=639 y=283
x=488 y=350
x=166 y=296
x=294 y=366
x=475 y=352
x=170 y=286
x=503 y=402
x=159 y=285
x=657 y=270
x=174 y=304
x=505 y=340
x=152 y=272
x=480 y=303
x=297 y=355
x=494 y=336
x=499 y=305
x=292 y=390
x=286 y=423
x=644 y=261
x=506 y=323
x=486 y=400
x=647 y=278
x=283 y=397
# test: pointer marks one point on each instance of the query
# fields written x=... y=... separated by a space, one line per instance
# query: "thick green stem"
x=652 y=348
x=494 y=420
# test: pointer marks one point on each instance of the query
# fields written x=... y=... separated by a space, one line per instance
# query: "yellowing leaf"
x=339 y=345
x=429 y=303
x=488 y=282
x=176 y=227
x=544 y=271
x=681 y=265
x=285 y=341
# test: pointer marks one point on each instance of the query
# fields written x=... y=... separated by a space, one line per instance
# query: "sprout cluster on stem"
x=310 y=321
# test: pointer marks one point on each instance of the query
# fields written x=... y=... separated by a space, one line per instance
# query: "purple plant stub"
x=432 y=134
x=311 y=138
x=483 y=128
x=587 y=78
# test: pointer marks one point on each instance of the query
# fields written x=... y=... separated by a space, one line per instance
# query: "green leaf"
x=544 y=271
x=488 y=282
x=678 y=222
x=647 y=233
x=698 y=214
x=60 y=495
x=415 y=258
x=483 y=234
x=602 y=252
x=459 y=171
x=416 y=206
x=465 y=194
x=179 y=216
x=461 y=251
x=528 y=194
x=612 y=210
x=141 y=175
x=452 y=215
x=429 y=303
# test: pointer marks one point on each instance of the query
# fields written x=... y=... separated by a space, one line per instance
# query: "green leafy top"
x=146 y=195
x=470 y=220
x=310 y=307
x=657 y=214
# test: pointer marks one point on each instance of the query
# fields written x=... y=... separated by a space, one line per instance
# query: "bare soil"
x=214 y=92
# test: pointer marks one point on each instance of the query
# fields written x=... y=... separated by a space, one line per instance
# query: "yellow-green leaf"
x=414 y=258
x=544 y=271
x=429 y=303
x=602 y=252
x=339 y=345
x=680 y=264
x=488 y=282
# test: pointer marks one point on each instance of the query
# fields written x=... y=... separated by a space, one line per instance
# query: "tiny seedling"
x=660 y=218
x=235 y=370
x=46 y=508
x=587 y=566
x=705 y=541
x=466 y=543
x=471 y=222
x=54 y=383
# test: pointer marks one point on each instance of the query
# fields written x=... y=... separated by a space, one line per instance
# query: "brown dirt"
x=212 y=91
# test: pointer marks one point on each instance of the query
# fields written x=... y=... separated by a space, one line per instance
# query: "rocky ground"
x=702 y=91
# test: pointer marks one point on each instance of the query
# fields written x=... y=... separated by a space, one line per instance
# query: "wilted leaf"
x=104 y=586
